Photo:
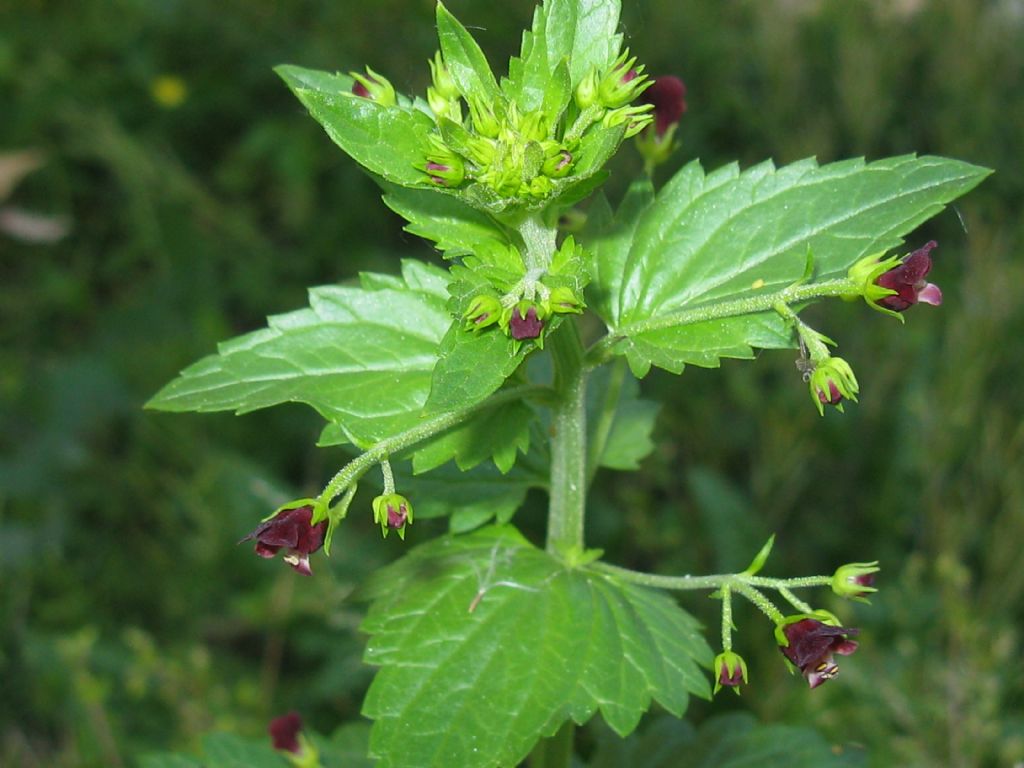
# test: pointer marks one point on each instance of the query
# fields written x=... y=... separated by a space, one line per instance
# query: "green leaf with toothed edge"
x=363 y=357
x=486 y=644
x=727 y=235
x=362 y=127
x=466 y=63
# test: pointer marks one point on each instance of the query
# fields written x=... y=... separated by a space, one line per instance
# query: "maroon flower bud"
x=528 y=327
x=833 y=397
x=360 y=90
x=668 y=95
x=810 y=644
x=393 y=512
x=284 y=731
x=290 y=528
x=908 y=280
x=629 y=76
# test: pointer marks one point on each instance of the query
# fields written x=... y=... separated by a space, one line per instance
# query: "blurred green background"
x=199 y=197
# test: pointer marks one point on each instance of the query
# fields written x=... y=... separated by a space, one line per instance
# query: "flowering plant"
x=512 y=362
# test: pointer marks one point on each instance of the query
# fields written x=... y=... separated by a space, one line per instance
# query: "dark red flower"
x=528 y=327
x=668 y=95
x=811 y=645
x=908 y=280
x=290 y=528
x=284 y=731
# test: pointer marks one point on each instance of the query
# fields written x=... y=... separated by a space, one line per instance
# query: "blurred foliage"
x=201 y=198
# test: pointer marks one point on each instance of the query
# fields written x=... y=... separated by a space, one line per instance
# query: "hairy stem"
x=568 y=443
x=794 y=294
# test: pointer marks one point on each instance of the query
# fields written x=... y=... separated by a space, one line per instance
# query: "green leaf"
x=465 y=61
x=453 y=225
x=390 y=142
x=725 y=741
x=471 y=498
x=486 y=644
x=472 y=366
x=226 y=750
x=498 y=433
x=347 y=747
x=618 y=418
x=363 y=358
x=715 y=236
x=168 y=761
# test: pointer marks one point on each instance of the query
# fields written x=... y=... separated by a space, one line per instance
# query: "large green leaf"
x=362 y=356
x=726 y=741
x=465 y=61
x=472 y=366
x=708 y=237
x=456 y=227
x=389 y=141
x=497 y=432
x=619 y=420
x=486 y=643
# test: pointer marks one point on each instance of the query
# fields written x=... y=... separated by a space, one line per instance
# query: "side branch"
x=380 y=451
x=602 y=350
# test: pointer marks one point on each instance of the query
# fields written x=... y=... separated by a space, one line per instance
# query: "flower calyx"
x=809 y=642
x=831 y=381
x=374 y=86
x=290 y=528
x=393 y=512
x=855 y=581
x=656 y=142
x=894 y=284
x=730 y=671
x=622 y=83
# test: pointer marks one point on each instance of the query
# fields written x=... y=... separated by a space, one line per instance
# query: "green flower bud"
x=374 y=86
x=558 y=160
x=586 y=91
x=444 y=167
x=730 y=671
x=393 y=511
x=622 y=83
x=854 y=580
x=563 y=301
x=636 y=118
x=485 y=122
x=832 y=381
x=442 y=79
x=484 y=310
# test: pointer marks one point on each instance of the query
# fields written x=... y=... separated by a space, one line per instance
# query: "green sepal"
x=825 y=617
x=730 y=661
x=761 y=557
x=865 y=273
x=844 y=587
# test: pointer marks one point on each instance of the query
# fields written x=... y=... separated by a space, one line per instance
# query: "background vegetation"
x=130 y=621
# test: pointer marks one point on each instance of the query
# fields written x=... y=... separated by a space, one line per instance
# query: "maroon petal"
x=284 y=732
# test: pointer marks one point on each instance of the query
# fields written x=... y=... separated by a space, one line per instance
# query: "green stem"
x=606 y=417
x=568 y=442
x=539 y=241
x=794 y=294
x=380 y=451
x=555 y=752
x=726 y=618
x=678 y=583
x=796 y=602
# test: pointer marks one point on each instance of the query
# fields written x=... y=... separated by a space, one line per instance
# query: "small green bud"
x=855 y=580
x=485 y=122
x=635 y=118
x=442 y=79
x=586 y=91
x=830 y=382
x=393 y=512
x=730 y=671
x=484 y=310
x=375 y=86
x=622 y=83
x=558 y=160
x=563 y=301
x=444 y=166
x=533 y=126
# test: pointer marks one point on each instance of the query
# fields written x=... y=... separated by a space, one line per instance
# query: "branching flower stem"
x=602 y=350
x=379 y=452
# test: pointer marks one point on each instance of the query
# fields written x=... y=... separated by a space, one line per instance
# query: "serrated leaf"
x=362 y=358
x=472 y=366
x=389 y=141
x=714 y=236
x=626 y=436
x=486 y=643
x=726 y=741
x=455 y=227
x=226 y=750
x=466 y=63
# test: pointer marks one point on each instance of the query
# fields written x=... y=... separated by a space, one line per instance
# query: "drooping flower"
x=810 y=645
x=668 y=95
x=291 y=529
x=284 y=732
x=393 y=512
x=832 y=381
x=908 y=280
x=730 y=671
x=526 y=326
